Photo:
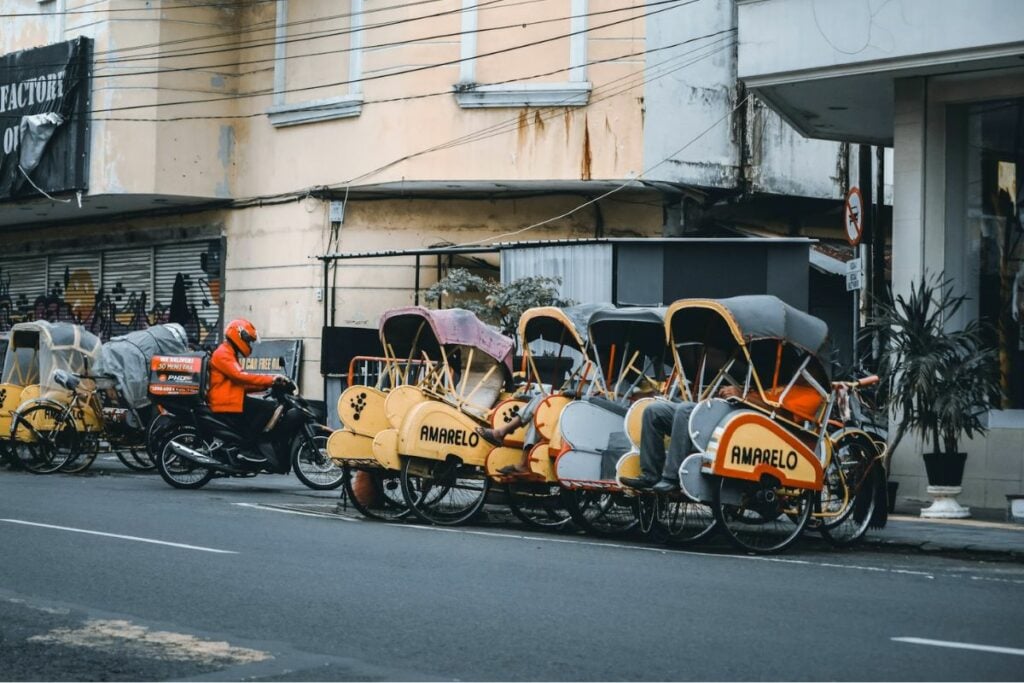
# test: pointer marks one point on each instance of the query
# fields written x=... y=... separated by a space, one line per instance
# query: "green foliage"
x=940 y=382
x=495 y=303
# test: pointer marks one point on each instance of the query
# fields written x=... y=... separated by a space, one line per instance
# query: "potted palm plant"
x=940 y=382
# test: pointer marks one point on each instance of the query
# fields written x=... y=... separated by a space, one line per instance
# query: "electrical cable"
x=483 y=134
x=618 y=188
x=404 y=98
x=418 y=69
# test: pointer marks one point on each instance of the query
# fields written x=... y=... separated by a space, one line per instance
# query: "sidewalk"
x=985 y=533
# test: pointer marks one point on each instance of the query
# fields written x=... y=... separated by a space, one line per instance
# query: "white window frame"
x=283 y=113
x=572 y=93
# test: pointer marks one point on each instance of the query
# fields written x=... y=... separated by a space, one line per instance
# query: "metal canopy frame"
x=331 y=259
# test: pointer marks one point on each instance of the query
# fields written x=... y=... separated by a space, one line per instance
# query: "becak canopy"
x=413 y=329
x=126 y=358
x=39 y=348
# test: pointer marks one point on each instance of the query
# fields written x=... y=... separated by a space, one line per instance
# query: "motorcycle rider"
x=230 y=384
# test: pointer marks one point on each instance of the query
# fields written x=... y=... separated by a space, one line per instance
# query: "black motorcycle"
x=191 y=444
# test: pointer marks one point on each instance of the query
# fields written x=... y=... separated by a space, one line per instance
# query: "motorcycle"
x=194 y=444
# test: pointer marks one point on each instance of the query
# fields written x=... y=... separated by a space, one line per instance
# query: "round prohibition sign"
x=853 y=213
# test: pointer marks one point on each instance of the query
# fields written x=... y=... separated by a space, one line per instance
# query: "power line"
x=441 y=93
x=237 y=96
x=511 y=125
x=408 y=41
x=618 y=188
x=476 y=136
x=224 y=5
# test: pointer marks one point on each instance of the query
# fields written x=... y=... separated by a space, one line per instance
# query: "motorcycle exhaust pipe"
x=193 y=455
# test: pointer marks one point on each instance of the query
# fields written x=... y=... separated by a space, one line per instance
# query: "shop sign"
x=44 y=117
x=275 y=357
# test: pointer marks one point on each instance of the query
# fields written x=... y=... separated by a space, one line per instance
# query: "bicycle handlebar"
x=857 y=383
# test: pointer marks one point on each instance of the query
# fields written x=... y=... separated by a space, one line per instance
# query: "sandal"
x=489 y=436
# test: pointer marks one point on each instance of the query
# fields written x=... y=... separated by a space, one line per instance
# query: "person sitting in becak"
x=230 y=384
x=659 y=468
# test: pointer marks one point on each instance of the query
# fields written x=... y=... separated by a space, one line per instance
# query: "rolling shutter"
x=190 y=264
x=23 y=280
x=128 y=274
x=78 y=277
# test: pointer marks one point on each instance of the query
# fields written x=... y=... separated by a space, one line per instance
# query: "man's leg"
x=681 y=445
x=656 y=424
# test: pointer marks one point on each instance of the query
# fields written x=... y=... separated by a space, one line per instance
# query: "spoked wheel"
x=445 y=493
x=177 y=470
x=378 y=494
x=601 y=513
x=538 y=505
x=313 y=466
x=681 y=521
x=850 y=494
x=135 y=460
x=44 y=439
x=761 y=517
x=156 y=434
x=88 y=449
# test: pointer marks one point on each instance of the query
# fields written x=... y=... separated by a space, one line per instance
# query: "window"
x=496 y=72
x=317 y=61
x=995 y=224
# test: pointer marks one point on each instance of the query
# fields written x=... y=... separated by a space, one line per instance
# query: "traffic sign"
x=855 y=265
x=853 y=216
x=854 y=281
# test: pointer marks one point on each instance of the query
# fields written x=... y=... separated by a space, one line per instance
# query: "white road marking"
x=270 y=508
x=121 y=536
x=963 y=646
x=599 y=544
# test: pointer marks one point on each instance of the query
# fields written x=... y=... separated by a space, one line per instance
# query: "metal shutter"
x=23 y=280
x=188 y=260
x=78 y=277
x=128 y=273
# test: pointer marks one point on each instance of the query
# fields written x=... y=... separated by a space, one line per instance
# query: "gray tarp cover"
x=550 y=329
x=641 y=327
x=127 y=358
x=767 y=317
x=449 y=327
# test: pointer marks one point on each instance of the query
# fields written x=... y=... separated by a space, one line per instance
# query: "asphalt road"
x=245 y=579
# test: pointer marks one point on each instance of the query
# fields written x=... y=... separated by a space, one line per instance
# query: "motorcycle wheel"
x=313 y=466
x=178 y=471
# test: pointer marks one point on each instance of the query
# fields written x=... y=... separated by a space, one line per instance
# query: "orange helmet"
x=242 y=335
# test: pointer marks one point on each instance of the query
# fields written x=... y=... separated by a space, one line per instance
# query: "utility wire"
x=417 y=69
x=483 y=134
x=448 y=92
x=69 y=12
x=618 y=188
x=399 y=43
x=511 y=125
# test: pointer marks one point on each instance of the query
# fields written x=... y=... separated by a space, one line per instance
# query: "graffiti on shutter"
x=115 y=292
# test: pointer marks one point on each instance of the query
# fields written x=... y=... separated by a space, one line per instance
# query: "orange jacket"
x=229 y=382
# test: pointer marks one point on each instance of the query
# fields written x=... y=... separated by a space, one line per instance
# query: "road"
x=119 y=577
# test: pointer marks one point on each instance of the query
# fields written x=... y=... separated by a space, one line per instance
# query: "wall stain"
x=567 y=116
x=587 y=160
x=538 y=121
x=524 y=123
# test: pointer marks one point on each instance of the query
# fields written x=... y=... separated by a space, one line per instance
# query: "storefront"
x=112 y=291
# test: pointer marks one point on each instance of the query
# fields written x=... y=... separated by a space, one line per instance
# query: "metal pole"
x=416 y=296
x=865 y=179
x=878 y=235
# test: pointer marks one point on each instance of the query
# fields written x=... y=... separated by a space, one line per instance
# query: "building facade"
x=943 y=82
x=228 y=145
